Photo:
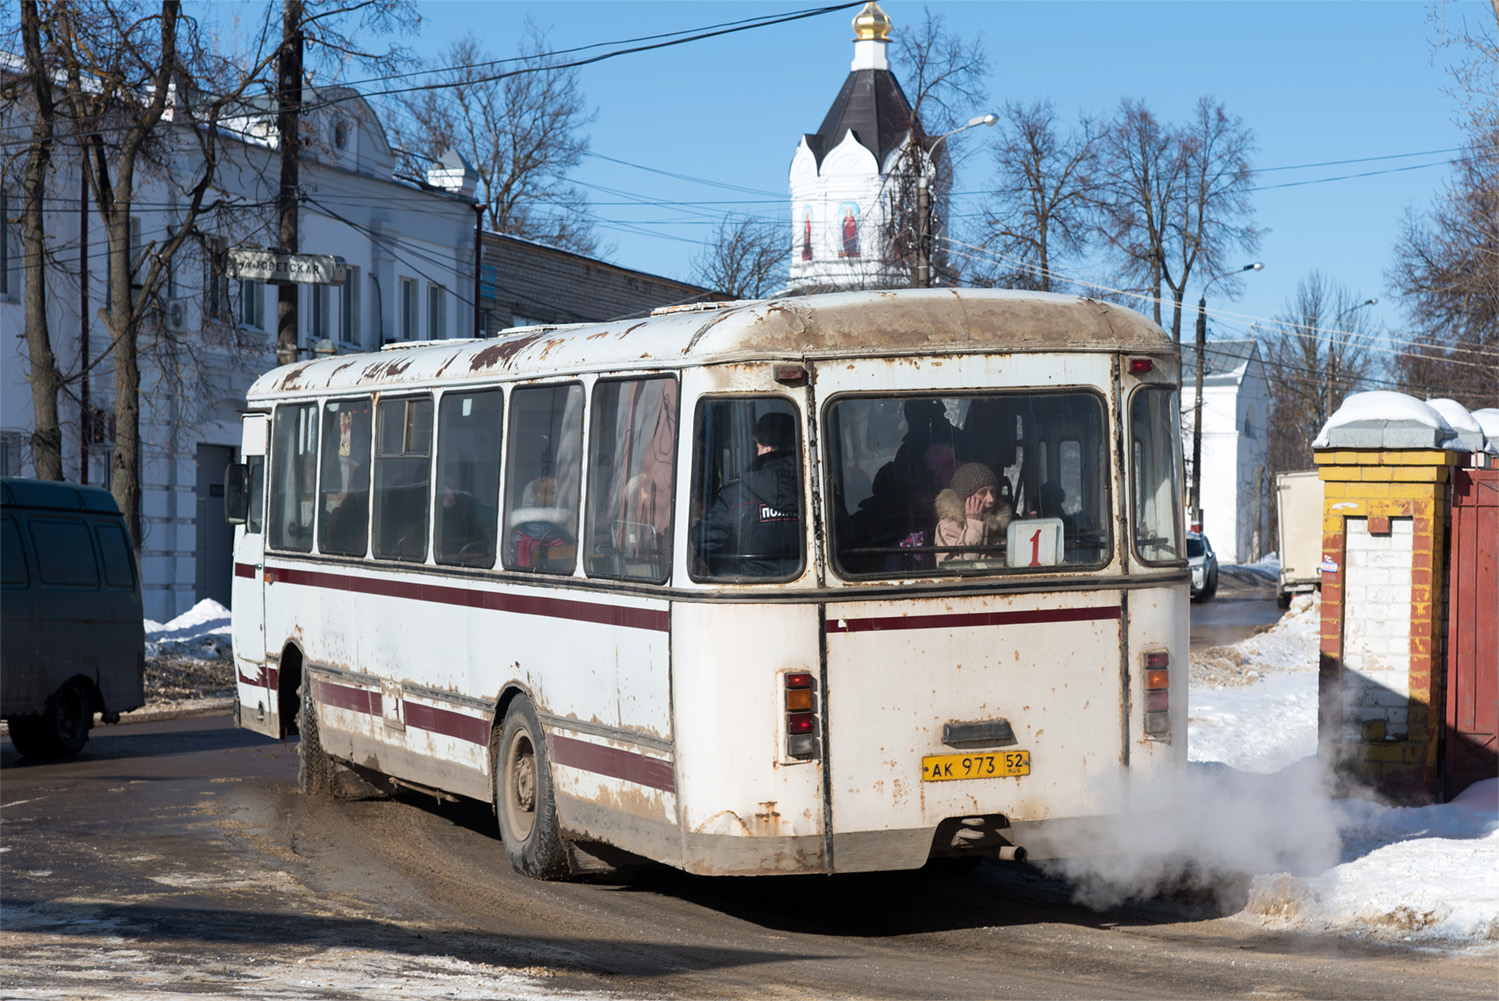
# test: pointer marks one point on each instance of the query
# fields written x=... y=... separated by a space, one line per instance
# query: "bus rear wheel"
x=314 y=767
x=62 y=728
x=523 y=797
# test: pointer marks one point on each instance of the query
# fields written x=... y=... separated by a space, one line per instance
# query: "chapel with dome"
x=844 y=177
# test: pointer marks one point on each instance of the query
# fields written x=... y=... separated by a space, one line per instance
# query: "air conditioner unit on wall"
x=180 y=314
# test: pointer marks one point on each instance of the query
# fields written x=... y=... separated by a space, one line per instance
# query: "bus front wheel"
x=523 y=797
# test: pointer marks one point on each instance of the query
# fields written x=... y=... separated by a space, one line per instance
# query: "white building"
x=843 y=175
x=1235 y=481
x=409 y=246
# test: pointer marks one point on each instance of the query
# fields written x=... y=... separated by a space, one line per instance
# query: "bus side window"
x=403 y=478
x=468 y=477
x=747 y=484
x=293 y=477
x=543 y=467
x=632 y=447
x=255 y=517
x=344 y=492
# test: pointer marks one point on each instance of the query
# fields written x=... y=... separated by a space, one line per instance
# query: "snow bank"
x=201 y=632
x=1427 y=874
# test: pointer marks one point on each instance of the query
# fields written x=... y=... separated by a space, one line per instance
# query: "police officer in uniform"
x=754 y=528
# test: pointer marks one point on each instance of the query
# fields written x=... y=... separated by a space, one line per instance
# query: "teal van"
x=72 y=642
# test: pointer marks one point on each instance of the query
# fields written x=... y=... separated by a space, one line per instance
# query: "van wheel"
x=314 y=767
x=523 y=798
x=62 y=728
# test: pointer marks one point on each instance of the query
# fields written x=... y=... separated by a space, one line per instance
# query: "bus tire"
x=314 y=767
x=62 y=728
x=524 y=801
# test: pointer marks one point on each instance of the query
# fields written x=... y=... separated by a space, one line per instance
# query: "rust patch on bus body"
x=767 y=820
x=289 y=380
x=499 y=355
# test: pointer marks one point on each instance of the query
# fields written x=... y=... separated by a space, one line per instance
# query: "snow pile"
x=1267 y=566
x=1252 y=811
x=1427 y=873
x=201 y=632
x=1290 y=644
x=1419 y=874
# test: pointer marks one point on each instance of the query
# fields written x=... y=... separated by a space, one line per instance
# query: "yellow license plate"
x=951 y=767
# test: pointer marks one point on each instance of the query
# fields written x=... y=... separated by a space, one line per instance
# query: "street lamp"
x=924 y=204
x=1331 y=371
x=1202 y=340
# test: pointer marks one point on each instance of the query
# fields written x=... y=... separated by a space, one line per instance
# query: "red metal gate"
x=1471 y=738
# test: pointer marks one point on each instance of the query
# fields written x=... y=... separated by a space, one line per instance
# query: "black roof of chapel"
x=872 y=106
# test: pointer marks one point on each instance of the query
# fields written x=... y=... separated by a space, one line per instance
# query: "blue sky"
x=1317 y=82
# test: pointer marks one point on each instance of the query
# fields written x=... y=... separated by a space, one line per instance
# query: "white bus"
x=824 y=584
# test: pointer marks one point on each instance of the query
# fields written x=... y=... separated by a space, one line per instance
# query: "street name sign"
x=281 y=269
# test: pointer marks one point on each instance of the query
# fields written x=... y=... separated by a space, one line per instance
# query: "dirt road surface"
x=176 y=859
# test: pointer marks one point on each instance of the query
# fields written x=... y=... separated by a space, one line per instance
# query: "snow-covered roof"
x=1225 y=363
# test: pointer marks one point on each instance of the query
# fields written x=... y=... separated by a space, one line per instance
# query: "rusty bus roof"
x=929 y=322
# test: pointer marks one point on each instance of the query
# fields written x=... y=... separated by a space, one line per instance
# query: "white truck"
x=1299 y=521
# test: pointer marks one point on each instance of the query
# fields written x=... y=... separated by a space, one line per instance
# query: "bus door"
x=255 y=689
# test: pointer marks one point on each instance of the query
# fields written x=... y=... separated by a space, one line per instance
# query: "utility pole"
x=288 y=128
x=85 y=414
x=479 y=330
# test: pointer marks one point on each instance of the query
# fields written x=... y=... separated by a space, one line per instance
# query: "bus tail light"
x=1140 y=366
x=801 y=715
x=1158 y=694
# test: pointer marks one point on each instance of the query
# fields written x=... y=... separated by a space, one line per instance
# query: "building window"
x=252 y=304
x=12 y=453
x=317 y=321
x=216 y=280
x=437 y=320
x=349 y=328
x=10 y=283
x=408 y=309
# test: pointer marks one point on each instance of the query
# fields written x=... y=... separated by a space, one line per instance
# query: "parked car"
x=1203 y=563
x=72 y=642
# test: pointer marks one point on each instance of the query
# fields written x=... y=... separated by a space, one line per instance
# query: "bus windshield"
x=978 y=483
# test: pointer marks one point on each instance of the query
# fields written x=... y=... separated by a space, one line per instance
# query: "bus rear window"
x=982 y=483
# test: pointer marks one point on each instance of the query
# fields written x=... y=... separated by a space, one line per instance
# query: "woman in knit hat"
x=969 y=513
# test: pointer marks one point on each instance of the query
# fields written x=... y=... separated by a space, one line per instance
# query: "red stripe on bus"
x=244 y=570
x=354 y=699
x=522 y=604
x=473 y=729
x=613 y=762
x=972 y=619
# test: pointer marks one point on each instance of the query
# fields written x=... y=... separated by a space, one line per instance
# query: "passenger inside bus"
x=754 y=527
x=970 y=518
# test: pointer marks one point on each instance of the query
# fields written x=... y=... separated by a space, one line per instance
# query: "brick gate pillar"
x=1380 y=673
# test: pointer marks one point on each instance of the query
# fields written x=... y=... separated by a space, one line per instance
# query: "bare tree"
x=1175 y=201
x=136 y=92
x=1040 y=208
x=1447 y=259
x=945 y=72
x=746 y=258
x=521 y=130
x=46 y=381
x=1318 y=354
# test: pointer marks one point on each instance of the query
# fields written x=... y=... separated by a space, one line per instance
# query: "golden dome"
x=871 y=22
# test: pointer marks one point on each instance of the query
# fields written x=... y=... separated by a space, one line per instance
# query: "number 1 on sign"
x=1034 y=542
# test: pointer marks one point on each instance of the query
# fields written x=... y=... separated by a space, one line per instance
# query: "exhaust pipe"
x=1011 y=853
